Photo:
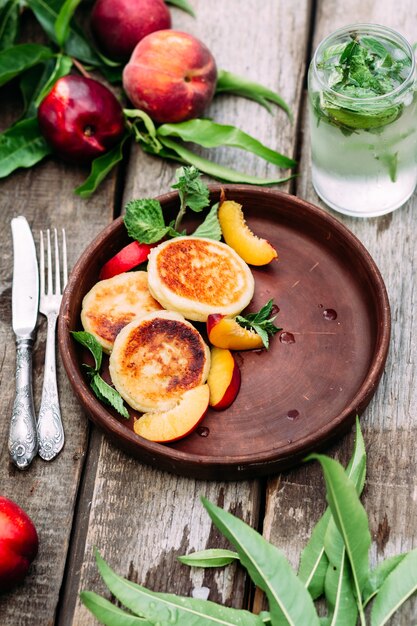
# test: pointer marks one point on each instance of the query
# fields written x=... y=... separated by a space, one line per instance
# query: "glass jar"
x=363 y=120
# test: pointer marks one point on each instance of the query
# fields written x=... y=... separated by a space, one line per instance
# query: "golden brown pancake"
x=113 y=303
x=156 y=358
x=197 y=276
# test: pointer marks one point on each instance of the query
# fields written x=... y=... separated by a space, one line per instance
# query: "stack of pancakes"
x=157 y=355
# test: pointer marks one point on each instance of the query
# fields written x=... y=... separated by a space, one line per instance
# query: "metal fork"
x=50 y=429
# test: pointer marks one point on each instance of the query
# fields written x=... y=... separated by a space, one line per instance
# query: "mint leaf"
x=261 y=322
x=192 y=191
x=90 y=342
x=108 y=394
x=210 y=228
x=144 y=220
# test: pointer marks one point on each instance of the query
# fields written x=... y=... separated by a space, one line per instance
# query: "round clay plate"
x=321 y=370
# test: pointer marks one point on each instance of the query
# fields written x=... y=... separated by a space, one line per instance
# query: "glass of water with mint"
x=363 y=120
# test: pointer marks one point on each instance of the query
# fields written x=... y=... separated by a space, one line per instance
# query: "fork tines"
x=56 y=262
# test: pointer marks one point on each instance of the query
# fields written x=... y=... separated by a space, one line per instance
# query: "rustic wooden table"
x=141 y=518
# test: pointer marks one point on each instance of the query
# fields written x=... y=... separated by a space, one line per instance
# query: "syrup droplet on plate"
x=286 y=337
x=203 y=431
x=293 y=414
x=329 y=314
x=275 y=309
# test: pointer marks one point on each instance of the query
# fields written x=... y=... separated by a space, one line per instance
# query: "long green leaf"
x=109 y=614
x=22 y=145
x=351 y=520
x=76 y=45
x=378 y=576
x=35 y=85
x=339 y=594
x=184 y=155
x=231 y=83
x=289 y=601
x=209 y=558
x=100 y=167
x=9 y=23
x=314 y=561
x=17 y=59
x=182 y=4
x=62 y=22
x=209 y=134
x=167 y=609
x=397 y=588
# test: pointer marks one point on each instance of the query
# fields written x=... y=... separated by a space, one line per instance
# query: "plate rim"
x=244 y=465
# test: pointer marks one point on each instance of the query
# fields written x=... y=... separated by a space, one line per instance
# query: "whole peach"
x=18 y=543
x=118 y=25
x=171 y=76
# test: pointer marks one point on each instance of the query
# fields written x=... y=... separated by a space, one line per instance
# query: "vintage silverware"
x=23 y=441
x=50 y=428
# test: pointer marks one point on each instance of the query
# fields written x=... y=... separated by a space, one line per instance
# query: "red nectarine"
x=129 y=257
x=225 y=332
x=171 y=76
x=223 y=379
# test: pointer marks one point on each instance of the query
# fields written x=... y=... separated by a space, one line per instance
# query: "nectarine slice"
x=237 y=234
x=223 y=379
x=177 y=422
x=225 y=332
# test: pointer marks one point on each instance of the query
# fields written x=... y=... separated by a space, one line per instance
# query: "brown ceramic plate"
x=299 y=395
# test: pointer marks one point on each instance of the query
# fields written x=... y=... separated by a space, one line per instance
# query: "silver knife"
x=23 y=440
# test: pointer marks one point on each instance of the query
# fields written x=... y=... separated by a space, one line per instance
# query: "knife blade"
x=23 y=440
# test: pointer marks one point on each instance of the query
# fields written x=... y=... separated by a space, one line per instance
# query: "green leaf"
x=290 y=604
x=339 y=594
x=260 y=322
x=108 y=394
x=76 y=45
x=399 y=585
x=35 y=85
x=192 y=190
x=231 y=83
x=22 y=145
x=210 y=228
x=183 y=154
x=351 y=520
x=167 y=609
x=62 y=22
x=17 y=59
x=209 y=558
x=378 y=576
x=209 y=134
x=182 y=4
x=109 y=614
x=100 y=167
x=90 y=342
x=9 y=23
x=144 y=220
x=314 y=561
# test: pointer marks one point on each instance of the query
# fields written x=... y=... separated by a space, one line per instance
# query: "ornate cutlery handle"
x=23 y=441
x=50 y=429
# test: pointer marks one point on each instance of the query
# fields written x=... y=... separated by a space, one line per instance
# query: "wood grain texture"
x=47 y=491
x=141 y=519
x=295 y=499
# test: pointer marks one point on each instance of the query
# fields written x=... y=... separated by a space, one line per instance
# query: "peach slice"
x=237 y=234
x=225 y=332
x=177 y=422
x=223 y=379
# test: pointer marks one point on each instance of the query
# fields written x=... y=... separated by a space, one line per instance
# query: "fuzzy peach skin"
x=171 y=76
x=119 y=25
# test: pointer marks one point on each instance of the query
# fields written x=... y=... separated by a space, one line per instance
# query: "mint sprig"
x=102 y=390
x=261 y=322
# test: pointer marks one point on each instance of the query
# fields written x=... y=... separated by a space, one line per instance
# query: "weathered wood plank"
x=47 y=491
x=141 y=519
x=295 y=500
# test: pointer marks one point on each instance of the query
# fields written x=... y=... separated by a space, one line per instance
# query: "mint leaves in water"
x=102 y=390
x=145 y=222
x=334 y=564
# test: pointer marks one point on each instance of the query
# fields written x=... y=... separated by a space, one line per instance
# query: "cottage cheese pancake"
x=113 y=303
x=197 y=276
x=156 y=359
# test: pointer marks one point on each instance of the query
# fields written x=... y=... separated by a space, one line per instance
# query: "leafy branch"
x=334 y=564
